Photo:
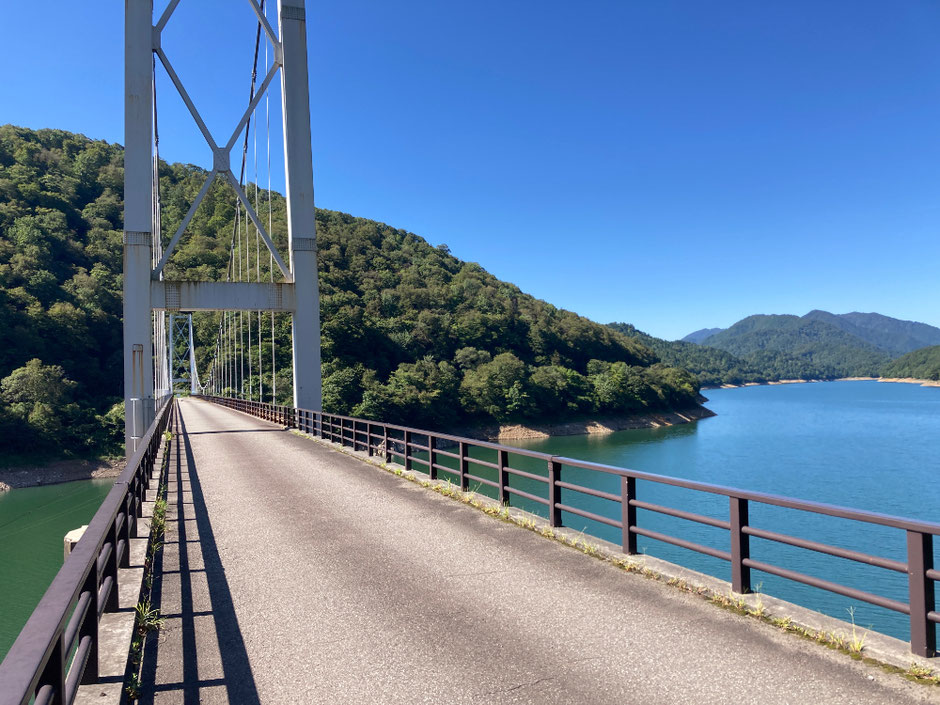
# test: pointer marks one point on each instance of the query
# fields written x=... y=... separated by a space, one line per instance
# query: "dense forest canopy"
x=712 y=367
x=410 y=333
x=920 y=364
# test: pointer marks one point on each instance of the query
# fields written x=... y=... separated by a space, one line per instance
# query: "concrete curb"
x=116 y=629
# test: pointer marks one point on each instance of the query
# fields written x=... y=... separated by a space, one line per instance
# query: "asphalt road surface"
x=293 y=573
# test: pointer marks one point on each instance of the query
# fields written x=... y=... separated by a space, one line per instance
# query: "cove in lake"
x=33 y=523
x=865 y=445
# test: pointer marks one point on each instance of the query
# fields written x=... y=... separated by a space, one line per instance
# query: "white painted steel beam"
x=138 y=217
x=301 y=215
x=222 y=296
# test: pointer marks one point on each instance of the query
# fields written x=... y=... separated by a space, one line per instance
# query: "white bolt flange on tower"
x=145 y=289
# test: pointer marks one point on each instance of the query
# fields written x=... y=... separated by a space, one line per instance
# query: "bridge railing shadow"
x=190 y=588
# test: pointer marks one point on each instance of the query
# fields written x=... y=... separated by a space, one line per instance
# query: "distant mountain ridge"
x=819 y=345
x=700 y=336
x=800 y=348
x=893 y=336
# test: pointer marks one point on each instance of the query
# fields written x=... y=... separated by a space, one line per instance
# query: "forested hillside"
x=410 y=333
x=891 y=335
x=920 y=364
x=712 y=366
x=790 y=347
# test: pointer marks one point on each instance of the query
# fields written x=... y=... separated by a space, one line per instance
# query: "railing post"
x=124 y=560
x=922 y=593
x=432 y=457
x=130 y=501
x=628 y=514
x=503 y=462
x=407 y=450
x=369 y=447
x=463 y=465
x=554 y=475
x=89 y=627
x=386 y=450
x=740 y=546
x=53 y=674
x=111 y=568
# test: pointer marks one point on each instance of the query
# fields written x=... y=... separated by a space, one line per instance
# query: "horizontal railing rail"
x=391 y=442
x=57 y=649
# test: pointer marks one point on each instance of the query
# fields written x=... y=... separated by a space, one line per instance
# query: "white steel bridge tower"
x=147 y=294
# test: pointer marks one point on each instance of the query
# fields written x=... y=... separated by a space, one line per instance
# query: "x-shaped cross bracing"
x=221 y=156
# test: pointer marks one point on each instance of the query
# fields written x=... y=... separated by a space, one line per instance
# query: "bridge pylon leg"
x=301 y=215
x=138 y=215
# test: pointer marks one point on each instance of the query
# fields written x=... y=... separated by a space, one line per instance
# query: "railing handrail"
x=39 y=648
x=834 y=510
x=919 y=567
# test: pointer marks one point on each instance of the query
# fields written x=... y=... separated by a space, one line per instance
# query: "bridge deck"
x=294 y=573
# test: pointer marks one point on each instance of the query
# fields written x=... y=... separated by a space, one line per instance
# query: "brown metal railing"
x=41 y=662
x=393 y=442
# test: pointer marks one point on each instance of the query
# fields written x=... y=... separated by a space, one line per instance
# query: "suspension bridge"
x=292 y=568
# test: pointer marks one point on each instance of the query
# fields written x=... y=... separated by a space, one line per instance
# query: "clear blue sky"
x=673 y=164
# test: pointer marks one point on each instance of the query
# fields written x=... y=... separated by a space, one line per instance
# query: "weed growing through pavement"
x=147 y=618
x=922 y=674
x=856 y=643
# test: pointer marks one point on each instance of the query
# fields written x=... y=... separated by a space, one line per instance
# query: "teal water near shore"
x=33 y=524
x=860 y=444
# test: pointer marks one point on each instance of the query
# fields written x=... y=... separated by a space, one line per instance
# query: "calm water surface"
x=33 y=523
x=866 y=445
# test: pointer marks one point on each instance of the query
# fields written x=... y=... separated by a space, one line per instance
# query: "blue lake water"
x=865 y=445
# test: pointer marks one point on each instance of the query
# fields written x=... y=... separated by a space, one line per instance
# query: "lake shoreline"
x=61 y=471
x=595 y=425
x=57 y=472
x=902 y=380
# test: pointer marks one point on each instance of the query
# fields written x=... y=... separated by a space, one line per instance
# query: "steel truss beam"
x=222 y=296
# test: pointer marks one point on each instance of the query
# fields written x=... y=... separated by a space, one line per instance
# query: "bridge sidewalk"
x=295 y=573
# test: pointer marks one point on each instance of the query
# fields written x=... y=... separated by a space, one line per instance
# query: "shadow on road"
x=166 y=654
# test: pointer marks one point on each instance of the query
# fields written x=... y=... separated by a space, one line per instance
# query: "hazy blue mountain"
x=700 y=336
x=892 y=335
